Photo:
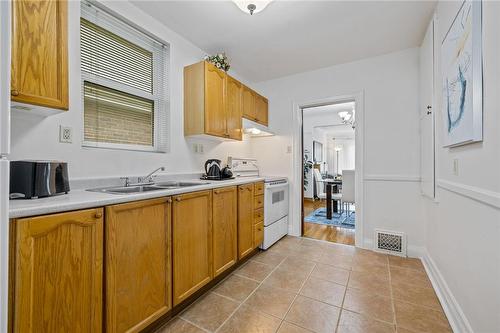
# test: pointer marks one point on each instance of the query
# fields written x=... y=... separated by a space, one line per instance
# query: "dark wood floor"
x=325 y=232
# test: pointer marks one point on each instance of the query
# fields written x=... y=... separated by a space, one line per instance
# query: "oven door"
x=276 y=202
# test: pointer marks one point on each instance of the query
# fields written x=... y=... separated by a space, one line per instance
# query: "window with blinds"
x=124 y=84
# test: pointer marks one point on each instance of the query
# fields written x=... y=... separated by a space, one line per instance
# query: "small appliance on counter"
x=213 y=171
x=37 y=179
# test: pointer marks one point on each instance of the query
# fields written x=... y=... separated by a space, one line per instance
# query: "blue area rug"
x=319 y=217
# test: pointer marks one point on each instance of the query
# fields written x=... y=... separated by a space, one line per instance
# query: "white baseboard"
x=452 y=309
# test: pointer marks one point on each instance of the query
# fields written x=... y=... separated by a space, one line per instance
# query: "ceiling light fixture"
x=346 y=116
x=252 y=7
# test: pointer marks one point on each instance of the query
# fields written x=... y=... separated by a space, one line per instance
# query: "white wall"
x=390 y=86
x=346 y=155
x=37 y=138
x=463 y=230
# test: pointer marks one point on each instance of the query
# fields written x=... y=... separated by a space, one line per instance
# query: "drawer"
x=258 y=202
x=259 y=188
x=258 y=215
x=258 y=234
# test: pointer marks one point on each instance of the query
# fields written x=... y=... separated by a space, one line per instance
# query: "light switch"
x=455 y=166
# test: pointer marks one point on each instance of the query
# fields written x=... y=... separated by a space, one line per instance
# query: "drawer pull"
x=14 y=92
x=98 y=215
x=216 y=192
x=169 y=200
x=178 y=199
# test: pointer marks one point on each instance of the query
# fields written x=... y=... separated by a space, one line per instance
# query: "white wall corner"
x=452 y=309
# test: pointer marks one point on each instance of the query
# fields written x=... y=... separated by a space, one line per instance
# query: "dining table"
x=331 y=186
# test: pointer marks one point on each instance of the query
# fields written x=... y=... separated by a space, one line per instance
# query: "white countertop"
x=81 y=199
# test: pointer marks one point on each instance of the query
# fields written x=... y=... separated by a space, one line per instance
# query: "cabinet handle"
x=241 y=188
x=98 y=215
x=169 y=200
x=14 y=92
x=216 y=192
x=248 y=188
x=178 y=199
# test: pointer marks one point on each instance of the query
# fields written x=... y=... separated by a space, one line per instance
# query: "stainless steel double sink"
x=140 y=188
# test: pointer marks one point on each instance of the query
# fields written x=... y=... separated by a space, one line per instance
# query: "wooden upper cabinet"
x=255 y=106
x=58 y=272
x=234 y=108
x=205 y=103
x=192 y=243
x=261 y=110
x=215 y=108
x=245 y=219
x=215 y=103
x=225 y=228
x=248 y=97
x=138 y=264
x=40 y=53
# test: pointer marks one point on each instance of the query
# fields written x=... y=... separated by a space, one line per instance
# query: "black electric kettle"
x=212 y=169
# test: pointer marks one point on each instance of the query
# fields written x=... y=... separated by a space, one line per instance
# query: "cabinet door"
x=248 y=97
x=245 y=219
x=192 y=243
x=39 y=53
x=261 y=109
x=58 y=273
x=215 y=112
x=225 y=230
x=234 y=109
x=138 y=264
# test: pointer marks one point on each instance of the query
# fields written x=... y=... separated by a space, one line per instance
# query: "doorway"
x=329 y=155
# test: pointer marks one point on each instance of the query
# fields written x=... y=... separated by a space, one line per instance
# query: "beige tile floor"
x=303 y=285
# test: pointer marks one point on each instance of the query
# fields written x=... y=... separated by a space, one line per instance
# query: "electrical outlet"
x=455 y=167
x=65 y=134
x=201 y=148
x=195 y=148
x=288 y=149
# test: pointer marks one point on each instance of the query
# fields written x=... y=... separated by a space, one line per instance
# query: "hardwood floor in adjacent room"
x=325 y=232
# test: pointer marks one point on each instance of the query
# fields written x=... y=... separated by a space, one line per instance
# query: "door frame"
x=297 y=202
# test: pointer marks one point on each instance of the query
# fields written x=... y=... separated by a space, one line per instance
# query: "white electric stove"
x=275 y=199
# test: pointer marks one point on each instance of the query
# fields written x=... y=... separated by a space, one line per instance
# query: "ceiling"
x=328 y=109
x=338 y=131
x=295 y=36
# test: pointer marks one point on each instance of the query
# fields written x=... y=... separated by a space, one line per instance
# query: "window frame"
x=160 y=92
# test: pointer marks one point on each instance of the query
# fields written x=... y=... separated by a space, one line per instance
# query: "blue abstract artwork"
x=460 y=74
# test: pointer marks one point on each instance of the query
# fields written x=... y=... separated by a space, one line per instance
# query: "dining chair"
x=320 y=187
x=348 y=184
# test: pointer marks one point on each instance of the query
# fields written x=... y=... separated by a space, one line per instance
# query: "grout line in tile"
x=395 y=324
x=293 y=301
x=250 y=295
x=343 y=300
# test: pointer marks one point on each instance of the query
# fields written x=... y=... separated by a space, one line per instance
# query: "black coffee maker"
x=212 y=169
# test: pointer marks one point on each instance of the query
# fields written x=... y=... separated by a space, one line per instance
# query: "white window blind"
x=124 y=84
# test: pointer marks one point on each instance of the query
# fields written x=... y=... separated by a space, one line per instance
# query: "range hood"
x=255 y=130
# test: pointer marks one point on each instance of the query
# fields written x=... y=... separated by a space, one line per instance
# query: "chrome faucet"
x=149 y=177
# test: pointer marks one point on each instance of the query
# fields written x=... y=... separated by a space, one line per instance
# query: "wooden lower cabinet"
x=245 y=219
x=192 y=243
x=138 y=264
x=225 y=228
x=258 y=234
x=58 y=272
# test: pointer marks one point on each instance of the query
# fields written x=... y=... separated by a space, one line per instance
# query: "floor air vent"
x=390 y=242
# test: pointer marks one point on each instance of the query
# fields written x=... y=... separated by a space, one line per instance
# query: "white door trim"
x=296 y=188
